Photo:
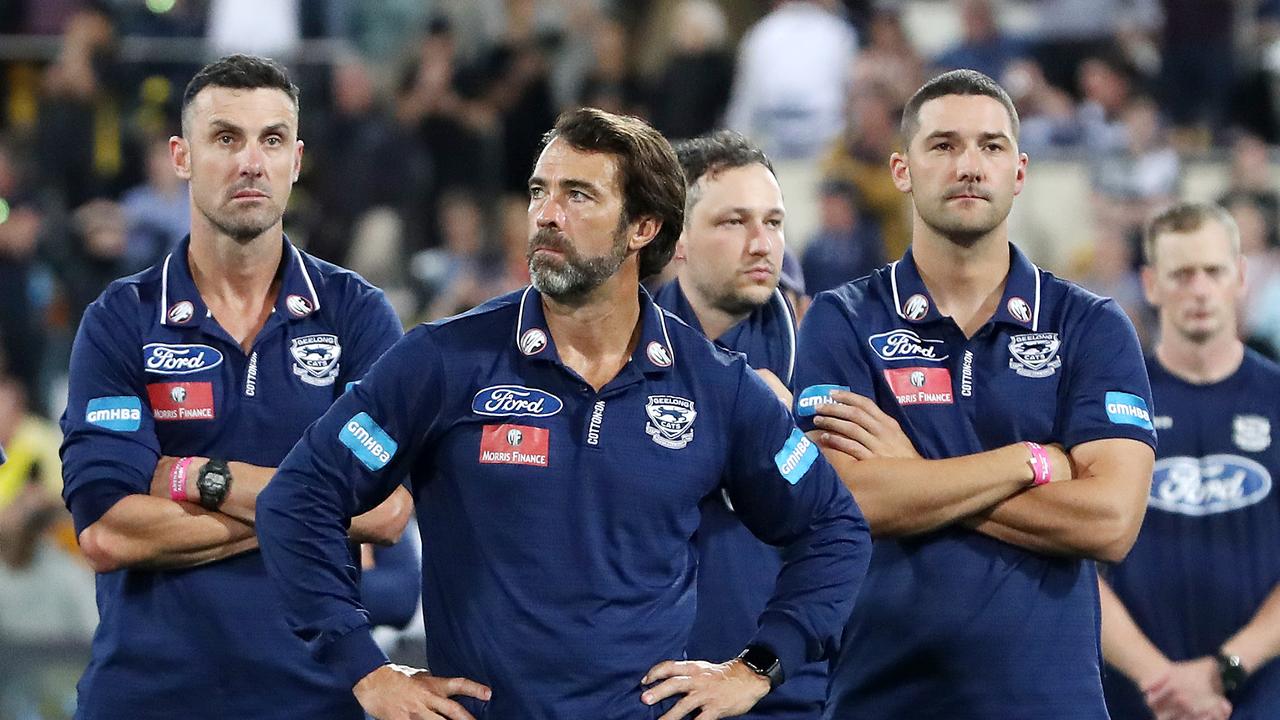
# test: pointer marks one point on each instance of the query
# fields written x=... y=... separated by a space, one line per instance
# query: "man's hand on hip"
x=397 y=692
x=714 y=690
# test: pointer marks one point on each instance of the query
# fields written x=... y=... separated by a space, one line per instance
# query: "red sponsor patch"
x=920 y=385
x=181 y=401
x=514 y=445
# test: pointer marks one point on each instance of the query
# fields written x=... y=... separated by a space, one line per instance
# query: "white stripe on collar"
x=164 y=289
x=520 y=316
x=1035 y=314
x=315 y=299
x=893 y=282
x=791 y=335
x=663 y=321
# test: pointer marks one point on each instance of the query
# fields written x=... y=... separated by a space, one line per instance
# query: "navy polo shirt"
x=736 y=571
x=557 y=521
x=954 y=624
x=152 y=373
x=1206 y=558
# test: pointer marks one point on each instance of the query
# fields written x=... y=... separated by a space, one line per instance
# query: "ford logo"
x=906 y=345
x=508 y=400
x=165 y=359
x=1208 y=485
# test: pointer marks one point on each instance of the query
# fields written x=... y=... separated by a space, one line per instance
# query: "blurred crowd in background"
x=422 y=118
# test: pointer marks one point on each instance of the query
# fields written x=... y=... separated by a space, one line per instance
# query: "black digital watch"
x=763 y=662
x=1231 y=671
x=214 y=483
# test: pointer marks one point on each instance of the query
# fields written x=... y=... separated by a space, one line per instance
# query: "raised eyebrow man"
x=189 y=382
x=993 y=422
x=1191 y=618
x=729 y=261
x=559 y=441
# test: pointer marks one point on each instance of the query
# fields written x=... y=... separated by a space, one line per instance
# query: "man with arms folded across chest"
x=994 y=423
x=189 y=382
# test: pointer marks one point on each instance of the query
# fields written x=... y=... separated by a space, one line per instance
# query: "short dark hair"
x=649 y=175
x=709 y=155
x=1186 y=217
x=955 y=82
x=243 y=72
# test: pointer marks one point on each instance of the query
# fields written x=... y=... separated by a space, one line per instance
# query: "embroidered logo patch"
x=181 y=401
x=166 y=359
x=1035 y=355
x=1208 y=485
x=920 y=385
x=1128 y=409
x=907 y=345
x=533 y=341
x=813 y=396
x=670 y=420
x=315 y=358
x=796 y=456
x=122 y=413
x=505 y=400
x=368 y=441
x=514 y=445
x=1251 y=433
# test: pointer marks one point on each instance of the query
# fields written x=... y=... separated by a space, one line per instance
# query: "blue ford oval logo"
x=1208 y=485
x=166 y=359
x=508 y=400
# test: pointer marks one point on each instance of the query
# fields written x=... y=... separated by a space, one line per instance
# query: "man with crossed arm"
x=1028 y=402
x=189 y=382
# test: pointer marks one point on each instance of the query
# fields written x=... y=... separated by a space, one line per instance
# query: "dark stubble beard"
x=572 y=276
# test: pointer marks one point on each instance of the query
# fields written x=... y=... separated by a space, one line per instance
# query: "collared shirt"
x=1205 y=558
x=557 y=521
x=153 y=373
x=736 y=571
x=951 y=623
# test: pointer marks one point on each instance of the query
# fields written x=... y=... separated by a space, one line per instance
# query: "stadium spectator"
x=156 y=212
x=888 y=59
x=983 y=45
x=692 y=90
x=857 y=158
x=792 y=78
x=846 y=246
x=46 y=590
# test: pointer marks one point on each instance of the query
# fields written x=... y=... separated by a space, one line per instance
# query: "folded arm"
x=1097 y=514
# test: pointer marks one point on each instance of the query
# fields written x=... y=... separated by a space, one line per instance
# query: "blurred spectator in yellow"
x=46 y=592
x=859 y=157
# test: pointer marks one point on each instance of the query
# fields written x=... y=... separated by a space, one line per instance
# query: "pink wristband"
x=1039 y=464
x=178 y=479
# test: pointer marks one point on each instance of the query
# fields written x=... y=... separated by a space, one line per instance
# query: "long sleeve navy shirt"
x=557 y=521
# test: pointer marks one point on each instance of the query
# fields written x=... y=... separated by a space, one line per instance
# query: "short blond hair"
x=1185 y=217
